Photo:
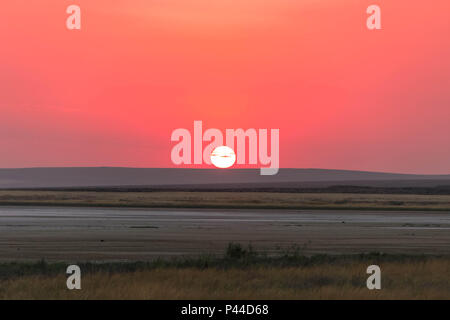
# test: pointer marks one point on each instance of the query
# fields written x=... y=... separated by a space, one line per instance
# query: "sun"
x=223 y=157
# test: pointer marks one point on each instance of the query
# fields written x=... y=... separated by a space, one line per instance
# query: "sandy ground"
x=109 y=234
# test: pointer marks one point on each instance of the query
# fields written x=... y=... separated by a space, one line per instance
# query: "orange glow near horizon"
x=110 y=94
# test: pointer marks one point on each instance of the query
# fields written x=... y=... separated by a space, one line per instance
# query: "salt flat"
x=112 y=234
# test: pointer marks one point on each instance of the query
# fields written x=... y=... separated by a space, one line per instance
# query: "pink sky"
x=110 y=94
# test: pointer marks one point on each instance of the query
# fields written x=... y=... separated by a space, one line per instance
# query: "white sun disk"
x=223 y=157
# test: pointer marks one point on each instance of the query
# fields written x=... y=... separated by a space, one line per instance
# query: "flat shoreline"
x=217 y=207
x=143 y=234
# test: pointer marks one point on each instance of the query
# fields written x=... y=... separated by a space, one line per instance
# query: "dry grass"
x=255 y=200
x=428 y=279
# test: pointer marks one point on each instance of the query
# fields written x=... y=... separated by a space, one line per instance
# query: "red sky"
x=110 y=94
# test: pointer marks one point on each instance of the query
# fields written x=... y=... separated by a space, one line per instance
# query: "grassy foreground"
x=240 y=274
x=231 y=200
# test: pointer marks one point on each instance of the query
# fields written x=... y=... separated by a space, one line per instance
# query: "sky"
x=110 y=94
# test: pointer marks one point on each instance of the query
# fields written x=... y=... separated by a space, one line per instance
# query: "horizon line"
x=218 y=169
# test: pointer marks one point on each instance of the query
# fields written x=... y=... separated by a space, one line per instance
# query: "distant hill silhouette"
x=207 y=178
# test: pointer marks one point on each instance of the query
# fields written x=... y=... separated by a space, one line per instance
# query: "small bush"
x=235 y=251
